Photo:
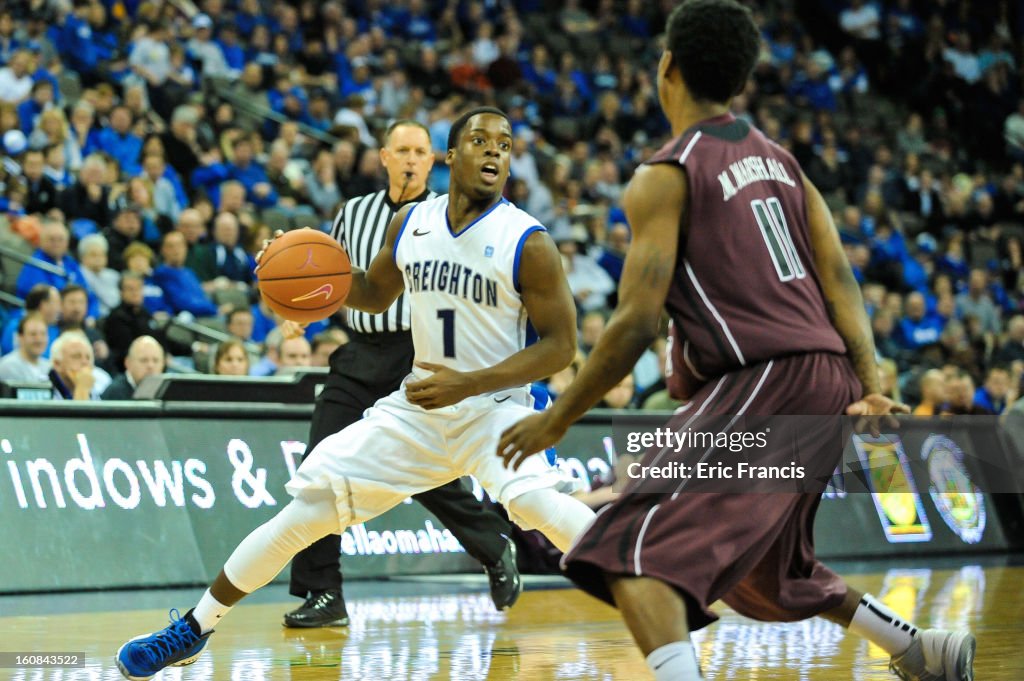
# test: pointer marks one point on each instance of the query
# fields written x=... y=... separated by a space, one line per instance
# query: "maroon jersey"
x=745 y=288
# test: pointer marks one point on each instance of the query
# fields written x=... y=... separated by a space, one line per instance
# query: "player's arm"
x=842 y=293
x=552 y=312
x=654 y=202
x=375 y=289
x=550 y=308
x=846 y=306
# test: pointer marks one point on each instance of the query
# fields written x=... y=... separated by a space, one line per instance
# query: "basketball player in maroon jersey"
x=740 y=249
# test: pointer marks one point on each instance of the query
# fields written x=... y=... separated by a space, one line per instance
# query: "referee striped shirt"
x=361 y=227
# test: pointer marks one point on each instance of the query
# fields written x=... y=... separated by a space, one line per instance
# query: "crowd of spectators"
x=151 y=146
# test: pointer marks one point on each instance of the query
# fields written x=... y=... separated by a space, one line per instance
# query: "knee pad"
x=535 y=510
x=557 y=516
x=269 y=547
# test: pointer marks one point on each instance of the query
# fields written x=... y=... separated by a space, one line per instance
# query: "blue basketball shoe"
x=174 y=646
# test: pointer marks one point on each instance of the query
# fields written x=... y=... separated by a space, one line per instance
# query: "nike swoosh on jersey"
x=326 y=290
x=417 y=232
x=502 y=399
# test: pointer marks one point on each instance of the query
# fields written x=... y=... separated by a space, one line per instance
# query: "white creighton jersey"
x=463 y=291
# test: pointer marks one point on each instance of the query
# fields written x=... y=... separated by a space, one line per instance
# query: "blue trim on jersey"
x=541 y=401
x=541 y=396
x=480 y=217
x=531 y=334
x=519 y=254
x=401 y=230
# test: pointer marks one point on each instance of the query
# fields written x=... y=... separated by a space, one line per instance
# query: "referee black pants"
x=369 y=367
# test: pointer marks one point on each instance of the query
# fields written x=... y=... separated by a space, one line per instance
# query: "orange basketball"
x=305 y=275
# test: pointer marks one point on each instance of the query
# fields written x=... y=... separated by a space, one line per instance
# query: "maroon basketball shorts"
x=753 y=550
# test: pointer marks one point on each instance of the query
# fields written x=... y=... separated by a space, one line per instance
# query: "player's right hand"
x=263 y=249
x=876 y=410
x=531 y=435
x=290 y=329
x=266 y=242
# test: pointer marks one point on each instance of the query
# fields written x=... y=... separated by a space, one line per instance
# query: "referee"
x=372 y=365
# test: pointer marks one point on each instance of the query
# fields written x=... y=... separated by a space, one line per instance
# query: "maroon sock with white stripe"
x=877 y=622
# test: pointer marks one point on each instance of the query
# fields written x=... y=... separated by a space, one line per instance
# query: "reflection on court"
x=559 y=634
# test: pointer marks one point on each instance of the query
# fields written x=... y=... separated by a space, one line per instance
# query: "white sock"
x=208 y=612
x=877 y=622
x=675 y=662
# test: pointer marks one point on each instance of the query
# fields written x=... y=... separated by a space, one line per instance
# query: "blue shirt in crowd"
x=913 y=335
x=10 y=332
x=183 y=291
x=982 y=398
x=125 y=149
x=27 y=112
x=30 y=276
x=210 y=178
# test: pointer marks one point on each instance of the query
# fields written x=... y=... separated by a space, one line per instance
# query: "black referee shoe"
x=504 y=575
x=325 y=609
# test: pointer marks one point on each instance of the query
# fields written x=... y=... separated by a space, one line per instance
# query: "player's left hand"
x=443 y=389
x=531 y=435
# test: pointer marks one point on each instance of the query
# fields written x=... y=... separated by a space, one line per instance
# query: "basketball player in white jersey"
x=475 y=269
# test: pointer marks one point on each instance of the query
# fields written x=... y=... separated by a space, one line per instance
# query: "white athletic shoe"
x=937 y=655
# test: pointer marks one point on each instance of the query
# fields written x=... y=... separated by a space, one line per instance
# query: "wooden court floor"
x=550 y=634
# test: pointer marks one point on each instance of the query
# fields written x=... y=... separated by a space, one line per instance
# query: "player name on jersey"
x=752 y=169
x=451 y=278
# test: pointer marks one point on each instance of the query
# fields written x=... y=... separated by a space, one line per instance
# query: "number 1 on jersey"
x=447 y=318
x=777 y=238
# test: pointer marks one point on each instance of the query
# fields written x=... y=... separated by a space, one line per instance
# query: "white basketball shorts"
x=399 y=449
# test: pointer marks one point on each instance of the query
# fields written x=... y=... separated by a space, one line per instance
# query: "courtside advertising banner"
x=145 y=495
